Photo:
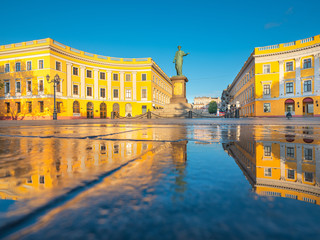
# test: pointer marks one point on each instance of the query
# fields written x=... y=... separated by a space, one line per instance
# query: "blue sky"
x=220 y=35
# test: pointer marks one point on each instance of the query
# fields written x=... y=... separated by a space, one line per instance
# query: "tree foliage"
x=213 y=107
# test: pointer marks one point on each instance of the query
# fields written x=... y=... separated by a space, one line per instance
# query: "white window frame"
x=39 y=64
x=128 y=74
x=17 y=93
x=113 y=74
x=143 y=74
x=27 y=91
x=40 y=92
x=73 y=67
x=292 y=66
x=105 y=76
x=91 y=86
x=75 y=95
x=303 y=63
x=30 y=65
x=266 y=172
x=87 y=70
x=142 y=98
x=294 y=174
x=266 y=84
x=130 y=97
x=303 y=81
x=56 y=66
x=7 y=93
x=269 y=108
x=105 y=92
x=304 y=176
x=5 y=67
x=15 y=65
x=265 y=65
x=115 y=98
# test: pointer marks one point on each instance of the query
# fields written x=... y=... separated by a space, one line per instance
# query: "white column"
x=96 y=83
x=69 y=79
x=298 y=77
x=281 y=79
x=134 y=85
x=316 y=74
x=282 y=162
x=109 y=84
x=121 y=85
x=83 y=81
x=299 y=163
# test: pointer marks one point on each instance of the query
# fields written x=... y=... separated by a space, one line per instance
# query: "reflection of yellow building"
x=280 y=78
x=283 y=168
x=91 y=86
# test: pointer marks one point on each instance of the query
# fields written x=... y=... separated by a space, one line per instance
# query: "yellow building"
x=278 y=79
x=91 y=86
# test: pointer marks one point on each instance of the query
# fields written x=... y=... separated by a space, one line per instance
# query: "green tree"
x=213 y=107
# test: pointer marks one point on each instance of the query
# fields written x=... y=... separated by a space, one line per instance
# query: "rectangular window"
x=89 y=91
x=289 y=87
x=266 y=89
x=267 y=172
x=102 y=92
x=291 y=174
x=307 y=63
x=18 y=87
x=115 y=77
x=29 y=86
x=7 y=68
x=8 y=107
x=144 y=77
x=308 y=154
x=6 y=87
x=40 y=85
x=75 y=71
x=266 y=107
x=290 y=152
x=307 y=86
x=128 y=93
x=89 y=74
x=29 y=65
x=41 y=106
x=59 y=104
x=102 y=75
x=18 y=67
x=266 y=68
x=18 y=107
x=144 y=108
x=40 y=64
x=308 y=176
x=289 y=66
x=29 y=106
x=128 y=77
x=41 y=179
x=58 y=66
x=143 y=93
x=115 y=93
x=267 y=151
x=75 y=90
x=58 y=86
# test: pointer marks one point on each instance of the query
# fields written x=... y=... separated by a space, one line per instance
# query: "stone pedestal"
x=179 y=89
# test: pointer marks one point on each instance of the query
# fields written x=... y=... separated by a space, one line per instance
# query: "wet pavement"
x=160 y=179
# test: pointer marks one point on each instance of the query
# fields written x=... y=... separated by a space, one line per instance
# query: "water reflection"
x=284 y=163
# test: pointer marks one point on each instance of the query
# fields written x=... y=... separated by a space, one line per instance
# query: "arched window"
x=76 y=107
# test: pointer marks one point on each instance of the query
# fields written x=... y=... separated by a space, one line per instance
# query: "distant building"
x=202 y=103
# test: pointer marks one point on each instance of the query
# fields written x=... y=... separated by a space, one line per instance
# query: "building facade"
x=91 y=86
x=202 y=103
x=278 y=79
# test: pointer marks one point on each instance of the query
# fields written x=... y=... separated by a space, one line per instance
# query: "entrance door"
x=116 y=109
x=89 y=110
x=103 y=110
x=308 y=107
x=128 y=110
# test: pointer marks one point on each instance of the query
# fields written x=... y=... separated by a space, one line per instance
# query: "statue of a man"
x=178 y=59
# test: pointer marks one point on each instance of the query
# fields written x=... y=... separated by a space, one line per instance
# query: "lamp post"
x=55 y=80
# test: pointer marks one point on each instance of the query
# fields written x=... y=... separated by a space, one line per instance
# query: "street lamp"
x=55 y=80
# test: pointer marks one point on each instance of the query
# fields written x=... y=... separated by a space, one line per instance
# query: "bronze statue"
x=178 y=59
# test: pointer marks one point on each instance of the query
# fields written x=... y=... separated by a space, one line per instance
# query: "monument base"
x=179 y=89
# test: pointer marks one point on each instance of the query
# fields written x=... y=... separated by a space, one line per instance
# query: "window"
x=40 y=64
x=102 y=92
x=102 y=75
x=308 y=154
x=18 y=87
x=289 y=87
x=115 y=93
x=267 y=172
x=89 y=91
x=58 y=86
x=89 y=74
x=289 y=66
x=291 y=174
x=266 y=68
x=18 y=67
x=18 y=107
x=29 y=65
x=116 y=149
x=41 y=106
x=75 y=71
x=266 y=107
x=76 y=106
x=6 y=87
x=7 y=68
x=266 y=89
x=115 y=77
x=128 y=93
x=29 y=86
x=267 y=151
x=41 y=179
x=40 y=85
x=128 y=77
x=58 y=66
x=144 y=77
x=308 y=176
x=75 y=90
x=143 y=93
x=307 y=86
x=29 y=106
x=290 y=152
x=307 y=63
x=8 y=107
x=144 y=108
x=59 y=104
